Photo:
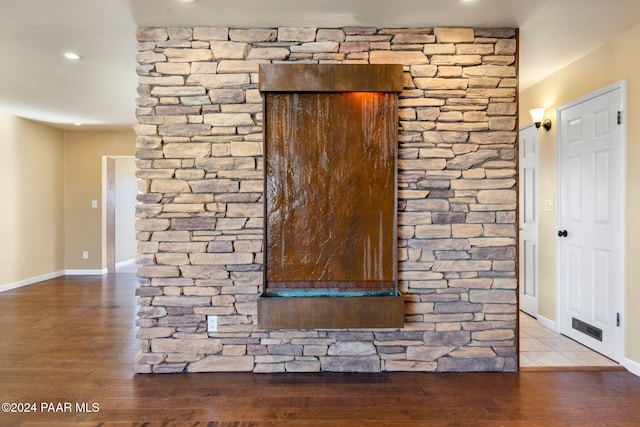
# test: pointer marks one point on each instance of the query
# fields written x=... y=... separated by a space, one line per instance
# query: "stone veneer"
x=200 y=217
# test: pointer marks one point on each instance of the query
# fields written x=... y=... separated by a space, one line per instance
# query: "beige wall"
x=83 y=181
x=616 y=61
x=32 y=206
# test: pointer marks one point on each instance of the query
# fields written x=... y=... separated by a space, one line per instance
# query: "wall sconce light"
x=537 y=115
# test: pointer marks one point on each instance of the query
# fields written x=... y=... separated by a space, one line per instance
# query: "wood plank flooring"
x=72 y=340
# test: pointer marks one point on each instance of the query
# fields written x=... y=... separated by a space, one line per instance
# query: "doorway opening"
x=118 y=222
x=589 y=257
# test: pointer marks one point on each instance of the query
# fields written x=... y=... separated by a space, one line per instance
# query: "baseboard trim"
x=551 y=324
x=633 y=367
x=125 y=263
x=571 y=368
x=30 y=281
x=97 y=272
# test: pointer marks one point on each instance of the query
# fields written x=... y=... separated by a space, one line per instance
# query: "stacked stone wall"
x=200 y=213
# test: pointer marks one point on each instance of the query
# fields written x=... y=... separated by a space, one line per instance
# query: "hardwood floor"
x=71 y=340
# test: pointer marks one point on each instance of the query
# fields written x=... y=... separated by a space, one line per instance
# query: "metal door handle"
x=562 y=233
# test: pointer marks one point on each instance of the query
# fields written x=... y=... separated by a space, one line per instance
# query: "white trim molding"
x=30 y=281
x=97 y=272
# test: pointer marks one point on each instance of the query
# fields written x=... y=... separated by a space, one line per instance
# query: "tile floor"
x=542 y=347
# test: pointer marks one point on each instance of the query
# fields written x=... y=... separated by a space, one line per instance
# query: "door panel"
x=528 y=220
x=590 y=207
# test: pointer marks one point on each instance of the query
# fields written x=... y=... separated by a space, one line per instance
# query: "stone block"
x=353 y=348
x=172 y=345
x=223 y=364
x=286 y=349
x=296 y=34
x=268 y=368
x=313 y=47
x=447 y=338
x=494 y=335
x=462 y=265
x=408 y=365
x=440 y=83
x=183 y=320
x=168 y=368
x=248 y=210
x=505 y=47
x=462 y=60
x=172 y=259
x=210 y=33
x=466 y=230
x=158 y=271
x=497 y=196
x=427 y=205
x=492 y=296
x=151 y=34
x=302 y=366
x=457 y=307
x=495 y=253
x=221 y=258
x=188 y=55
x=418 y=307
x=151 y=312
x=229 y=49
x=151 y=224
x=439 y=49
x=433 y=231
x=350 y=363
x=229 y=120
x=475 y=49
x=315 y=350
x=181 y=301
x=397 y=57
x=336 y=35
x=448 y=217
x=217 y=81
x=428 y=353
x=454 y=35
x=268 y=53
x=253 y=35
x=456 y=364
x=469 y=160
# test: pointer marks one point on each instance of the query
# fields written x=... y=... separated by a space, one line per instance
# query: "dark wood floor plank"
x=73 y=340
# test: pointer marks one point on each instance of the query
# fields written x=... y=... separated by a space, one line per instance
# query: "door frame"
x=620 y=288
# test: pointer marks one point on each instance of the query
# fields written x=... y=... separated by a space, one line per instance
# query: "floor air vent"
x=585 y=328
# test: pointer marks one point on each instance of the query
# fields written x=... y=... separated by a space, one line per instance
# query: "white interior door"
x=528 y=252
x=590 y=220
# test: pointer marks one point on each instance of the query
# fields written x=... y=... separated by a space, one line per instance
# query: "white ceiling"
x=38 y=83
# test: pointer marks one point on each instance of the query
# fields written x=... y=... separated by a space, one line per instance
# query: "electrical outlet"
x=212 y=323
x=85 y=254
x=94 y=204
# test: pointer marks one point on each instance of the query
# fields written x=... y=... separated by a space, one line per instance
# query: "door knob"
x=562 y=233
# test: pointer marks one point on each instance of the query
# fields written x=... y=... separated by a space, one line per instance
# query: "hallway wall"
x=32 y=201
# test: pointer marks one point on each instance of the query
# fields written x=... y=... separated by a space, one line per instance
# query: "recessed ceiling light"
x=76 y=124
x=187 y=1
x=73 y=56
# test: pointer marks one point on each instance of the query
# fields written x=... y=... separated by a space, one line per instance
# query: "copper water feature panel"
x=330 y=138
